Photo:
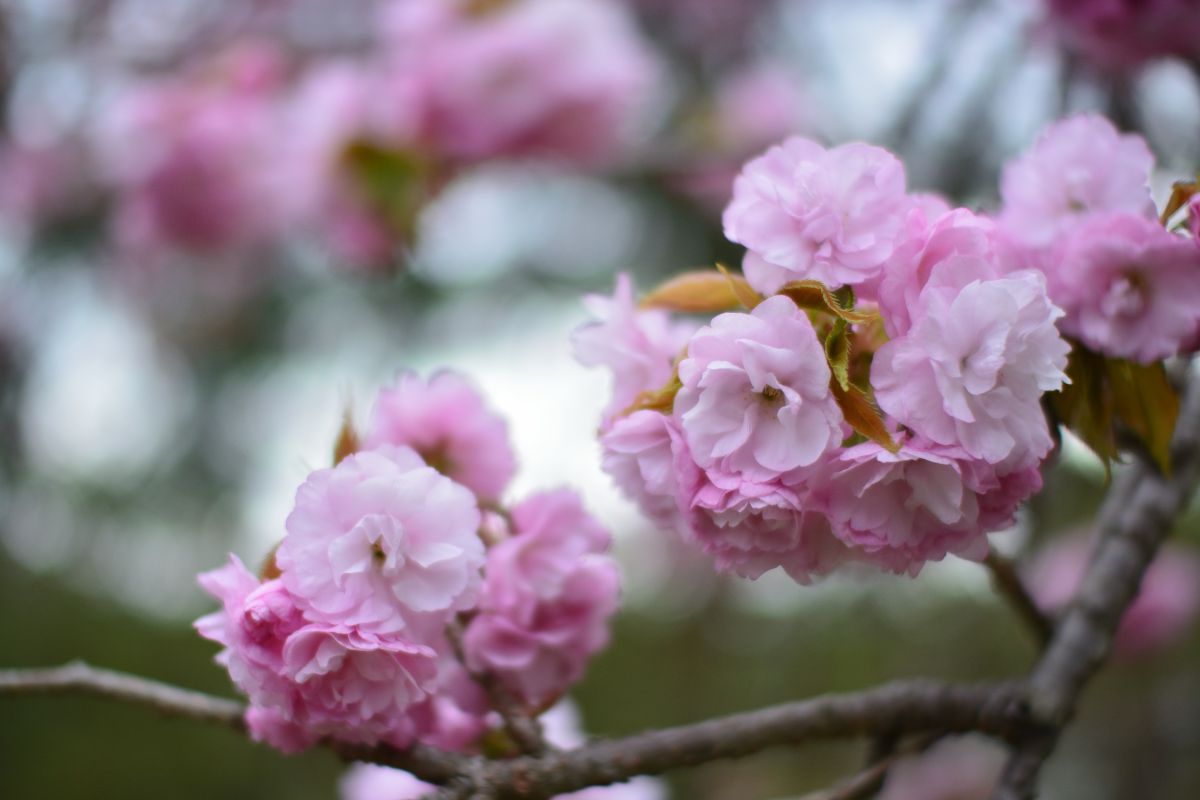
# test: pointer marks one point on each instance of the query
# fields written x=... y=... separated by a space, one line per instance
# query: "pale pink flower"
x=950 y=248
x=1123 y=34
x=1078 y=166
x=755 y=401
x=638 y=346
x=964 y=768
x=1129 y=287
x=756 y=105
x=904 y=509
x=382 y=541
x=447 y=422
x=375 y=782
x=972 y=369
x=1193 y=218
x=547 y=599
x=639 y=456
x=1163 y=611
x=804 y=212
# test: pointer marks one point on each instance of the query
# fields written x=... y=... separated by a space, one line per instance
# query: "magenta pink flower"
x=638 y=346
x=1122 y=34
x=1164 y=610
x=446 y=421
x=382 y=541
x=547 y=599
x=972 y=369
x=1078 y=166
x=1129 y=287
x=1193 y=218
x=904 y=509
x=804 y=212
x=755 y=400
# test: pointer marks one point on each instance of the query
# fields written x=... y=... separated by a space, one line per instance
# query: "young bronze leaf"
x=347 y=442
x=863 y=416
x=1146 y=404
x=700 y=292
x=661 y=400
x=746 y=295
x=1181 y=193
x=837 y=352
x=816 y=296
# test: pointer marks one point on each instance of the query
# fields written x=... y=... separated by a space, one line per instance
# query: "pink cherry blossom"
x=1129 y=287
x=805 y=212
x=310 y=679
x=1193 y=218
x=1166 y=606
x=964 y=768
x=972 y=369
x=639 y=456
x=755 y=400
x=535 y=78
x=382 y=541
x=920 y=504
x=754 y=528
x=547 y=599
x=1078 y=166
x=638 y=346
x=446 y=421
x=1122 y=34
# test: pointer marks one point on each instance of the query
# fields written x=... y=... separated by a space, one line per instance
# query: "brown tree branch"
x=1010 y=586
x=1136 y=518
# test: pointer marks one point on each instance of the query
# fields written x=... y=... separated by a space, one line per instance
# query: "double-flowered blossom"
x=1078 y=166
x=382 y=541
x=447 y=422
x=1130 y=287
x=638 y=346
x=972 y=368
x=546 y=601
x=308 y=679
x=353 y=631
x=805 y=212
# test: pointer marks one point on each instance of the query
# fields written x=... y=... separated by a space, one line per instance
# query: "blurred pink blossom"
x=1122 y=34
x=446 y=421
x=963 y=768
x=1166 y=604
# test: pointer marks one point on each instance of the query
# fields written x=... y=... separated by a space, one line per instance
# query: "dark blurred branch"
x=1009 y=585
x=1136 y=518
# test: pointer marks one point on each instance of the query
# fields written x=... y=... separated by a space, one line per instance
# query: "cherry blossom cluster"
x=765 y=456
x=878 y=398
x=1077 y=206
x=401 y=587
x=254 y=144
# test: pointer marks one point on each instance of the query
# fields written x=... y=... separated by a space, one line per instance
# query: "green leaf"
x=703 y=292
x=837 y=352
x=1147 y=404
x=863 y=416
x=395 y=183
x=816 y=296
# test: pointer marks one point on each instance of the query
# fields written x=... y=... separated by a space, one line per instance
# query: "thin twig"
x=1010 y=586
x=867 y=782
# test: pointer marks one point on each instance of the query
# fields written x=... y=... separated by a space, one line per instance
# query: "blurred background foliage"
x=159 y=409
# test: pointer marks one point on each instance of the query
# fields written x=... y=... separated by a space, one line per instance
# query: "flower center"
x=1126 y=296
x=771 y=395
